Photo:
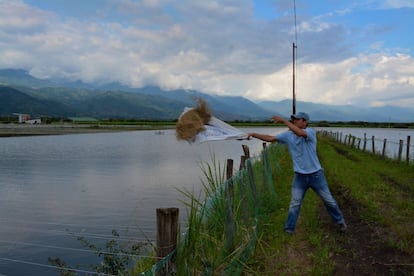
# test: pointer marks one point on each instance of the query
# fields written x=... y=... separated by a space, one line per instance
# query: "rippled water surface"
x=55 y=188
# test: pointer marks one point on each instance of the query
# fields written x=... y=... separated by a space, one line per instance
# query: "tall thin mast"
x=294 y=84
x=294 y=46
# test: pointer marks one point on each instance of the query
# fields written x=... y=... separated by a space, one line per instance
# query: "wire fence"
x=237 y=198
x=402 y=150
x=62 y=233
x=230 y=213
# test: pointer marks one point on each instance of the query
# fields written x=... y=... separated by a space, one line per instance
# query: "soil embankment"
x=11 y=130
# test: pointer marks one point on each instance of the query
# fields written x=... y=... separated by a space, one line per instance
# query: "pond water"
x=56 y=188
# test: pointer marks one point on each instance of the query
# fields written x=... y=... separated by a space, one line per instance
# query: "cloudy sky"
x=356 y=52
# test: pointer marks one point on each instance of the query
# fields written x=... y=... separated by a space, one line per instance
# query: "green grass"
x=382 y=189
x=278 y=252
x=381 y=193
x=220 y=237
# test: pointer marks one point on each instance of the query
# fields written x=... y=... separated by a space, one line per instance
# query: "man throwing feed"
x=301 y=143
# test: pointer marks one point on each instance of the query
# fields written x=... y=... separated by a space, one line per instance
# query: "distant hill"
x=344 y=113
x=14 y=101
x=23 y=93
x=69 y=102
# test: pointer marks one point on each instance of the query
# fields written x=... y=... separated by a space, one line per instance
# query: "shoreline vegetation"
x=13 y=129
x=376 y=198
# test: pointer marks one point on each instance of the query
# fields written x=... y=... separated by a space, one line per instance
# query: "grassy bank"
x=375 y=194
x=377 y=198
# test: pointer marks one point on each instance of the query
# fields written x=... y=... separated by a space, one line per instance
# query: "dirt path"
x=364 y=248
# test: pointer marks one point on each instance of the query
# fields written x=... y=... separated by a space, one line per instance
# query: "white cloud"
x=397 y=4
x=217 y=47
x=17 y=17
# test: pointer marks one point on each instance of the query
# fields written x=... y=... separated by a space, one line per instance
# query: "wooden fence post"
x=408 y=149
x=365 y=142
x=252 y=182
x=264 y=165
x=373 y=144
x=243 y=190
x=167 y=234
x=229 y=223
x=400 y=150
x=243 y=159
x=383 y=147
x=246 y=150
x=243 y=193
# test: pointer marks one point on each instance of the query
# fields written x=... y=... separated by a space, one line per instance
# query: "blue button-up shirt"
x=302 y=150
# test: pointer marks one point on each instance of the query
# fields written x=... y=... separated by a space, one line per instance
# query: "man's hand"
x=277 y=119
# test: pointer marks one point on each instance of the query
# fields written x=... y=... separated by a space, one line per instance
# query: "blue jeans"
x=317 y=182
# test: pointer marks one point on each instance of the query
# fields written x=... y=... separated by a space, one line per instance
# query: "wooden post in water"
x=383 y=147
x=167 y=234
x=408 y=149
x=229 y=223
x=400 y=149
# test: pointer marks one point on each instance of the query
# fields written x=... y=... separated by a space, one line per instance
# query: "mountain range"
x=22 y=93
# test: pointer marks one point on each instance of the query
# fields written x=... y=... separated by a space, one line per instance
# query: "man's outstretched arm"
x=263 y=137
x=298 y=131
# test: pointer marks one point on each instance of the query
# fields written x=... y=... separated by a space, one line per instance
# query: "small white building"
x=25 y=118
x=33 y=121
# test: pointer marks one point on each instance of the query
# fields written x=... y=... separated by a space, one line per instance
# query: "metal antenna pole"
x=294 y=46
x=294 y=92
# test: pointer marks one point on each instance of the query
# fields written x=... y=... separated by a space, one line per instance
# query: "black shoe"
x=342 y=227
x=289 y=232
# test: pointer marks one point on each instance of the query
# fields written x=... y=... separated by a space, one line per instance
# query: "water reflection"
x=56 y=187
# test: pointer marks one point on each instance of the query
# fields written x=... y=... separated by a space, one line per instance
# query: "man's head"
x=301 y=119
